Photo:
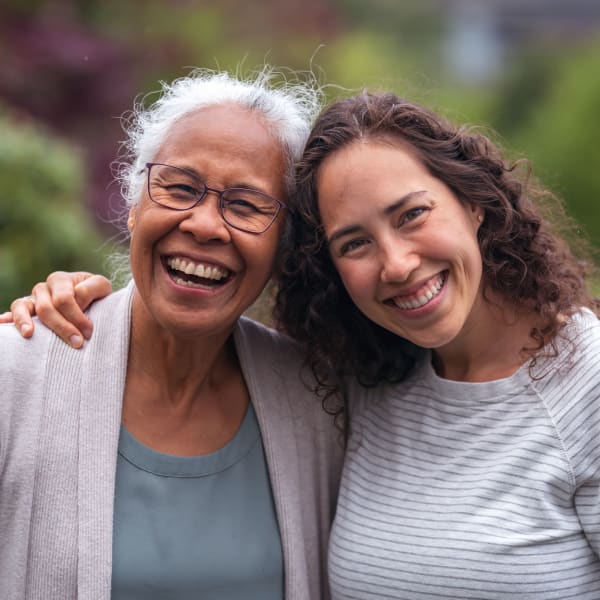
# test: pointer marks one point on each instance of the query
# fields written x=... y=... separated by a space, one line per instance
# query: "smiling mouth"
x=196 y=275
x=423 y=296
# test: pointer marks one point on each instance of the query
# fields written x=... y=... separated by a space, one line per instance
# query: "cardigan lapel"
x=102 y=388
x=275 y=419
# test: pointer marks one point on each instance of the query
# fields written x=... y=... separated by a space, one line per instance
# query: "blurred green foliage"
x=562 y=135
x=76 y=65
x=43 y=225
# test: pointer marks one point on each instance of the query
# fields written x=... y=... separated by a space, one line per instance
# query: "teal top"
x=196 y=527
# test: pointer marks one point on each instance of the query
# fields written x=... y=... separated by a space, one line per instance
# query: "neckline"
x=467 y=391
x=170 y=465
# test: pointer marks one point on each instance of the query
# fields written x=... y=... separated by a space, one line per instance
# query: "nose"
x=204 y=221
x=398 y=261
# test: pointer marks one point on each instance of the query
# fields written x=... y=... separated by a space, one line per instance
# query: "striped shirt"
x=475 y=490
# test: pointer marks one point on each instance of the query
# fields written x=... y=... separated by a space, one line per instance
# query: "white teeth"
x=187 y=283
x=198 y=269
x=426 y=296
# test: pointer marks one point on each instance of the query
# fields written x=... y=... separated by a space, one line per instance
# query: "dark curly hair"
x=526 y=259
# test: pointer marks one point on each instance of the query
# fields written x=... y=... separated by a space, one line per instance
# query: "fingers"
x=93 y=288
x=6 y=317
x=22 y=310
x=51 y=311
x=59 y=303
x=61 y=300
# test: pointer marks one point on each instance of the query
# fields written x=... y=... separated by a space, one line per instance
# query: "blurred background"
x=528 y=69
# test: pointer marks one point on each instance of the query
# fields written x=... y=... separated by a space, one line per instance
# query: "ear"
x=131 y=219
x=477 y=214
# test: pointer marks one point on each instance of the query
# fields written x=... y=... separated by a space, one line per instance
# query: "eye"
x=414 y=215
x=246 y=202
x=175 y=194
x=242 y=205
x=352 y=246
x=182 y=190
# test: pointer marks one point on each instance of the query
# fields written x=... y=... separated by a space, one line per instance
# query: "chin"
x=432 y=341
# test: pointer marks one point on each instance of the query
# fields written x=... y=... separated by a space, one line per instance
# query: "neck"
x=183 y=395
x=183 y=369
x=490 y=346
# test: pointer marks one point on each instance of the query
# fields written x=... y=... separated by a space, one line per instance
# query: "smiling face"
x=196 y=275
x=405 y=247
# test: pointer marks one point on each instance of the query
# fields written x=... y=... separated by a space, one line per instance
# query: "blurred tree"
x=73 y=79
x=561 y=136
x=526 y=83
x=43 y=226
x=77 y=65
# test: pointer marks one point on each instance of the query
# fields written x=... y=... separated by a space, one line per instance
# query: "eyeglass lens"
x=244 y=209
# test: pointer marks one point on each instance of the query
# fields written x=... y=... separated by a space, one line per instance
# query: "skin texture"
x=395 y=234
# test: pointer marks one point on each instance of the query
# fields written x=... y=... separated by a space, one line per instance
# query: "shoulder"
x=577 y=349
x=116 y=304
x=23 y=368
x=19 y=353
x=267 y=357
x=276 y=376
x=262 y=345
x=22 y=362
x=585 y=328
x=569 y=385
x=255 y=330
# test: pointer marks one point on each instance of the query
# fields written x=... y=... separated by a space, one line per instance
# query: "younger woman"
x=422 y=265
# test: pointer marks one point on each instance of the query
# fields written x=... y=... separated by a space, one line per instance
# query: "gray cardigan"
x=60 y=413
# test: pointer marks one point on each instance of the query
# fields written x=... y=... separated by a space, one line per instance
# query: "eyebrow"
x=203 y=179
x=350 y=229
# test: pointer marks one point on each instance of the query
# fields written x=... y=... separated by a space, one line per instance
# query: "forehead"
x=369 y=166
x=225 y=142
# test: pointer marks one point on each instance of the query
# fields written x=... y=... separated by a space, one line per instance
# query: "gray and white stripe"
x=475 y=490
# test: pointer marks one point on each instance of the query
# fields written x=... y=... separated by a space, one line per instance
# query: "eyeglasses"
x=247 y=210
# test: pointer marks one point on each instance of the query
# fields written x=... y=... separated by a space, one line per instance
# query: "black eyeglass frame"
x=278 y=203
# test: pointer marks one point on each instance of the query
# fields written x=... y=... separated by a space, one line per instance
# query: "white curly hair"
x=287 y=104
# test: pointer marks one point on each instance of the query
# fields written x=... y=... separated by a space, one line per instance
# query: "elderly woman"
x=179 y=454
x=420 y=263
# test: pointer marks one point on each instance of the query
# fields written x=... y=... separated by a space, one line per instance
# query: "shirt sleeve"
x=587 y=505
x=576 y=412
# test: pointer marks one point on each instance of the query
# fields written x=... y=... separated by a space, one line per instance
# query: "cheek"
x=474 y=250
x=261 y=257
x=356 y=278
x=472 y=265
x=453 y=243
